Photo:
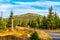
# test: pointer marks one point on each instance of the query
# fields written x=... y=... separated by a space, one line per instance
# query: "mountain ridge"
x=28 y=16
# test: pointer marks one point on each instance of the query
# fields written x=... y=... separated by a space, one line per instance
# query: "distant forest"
x=51 y=21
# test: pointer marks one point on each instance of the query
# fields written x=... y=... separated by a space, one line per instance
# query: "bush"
x=34 y=36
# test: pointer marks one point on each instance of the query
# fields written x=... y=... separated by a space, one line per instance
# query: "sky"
x=25 y=6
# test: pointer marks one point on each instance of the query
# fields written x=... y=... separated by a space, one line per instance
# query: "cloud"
x=29 y=5
x=23 y=11
x=39 y=3
x=7 y=6
x=24 y=7
x=46 y=4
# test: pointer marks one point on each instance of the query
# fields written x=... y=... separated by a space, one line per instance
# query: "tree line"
x=51 y=21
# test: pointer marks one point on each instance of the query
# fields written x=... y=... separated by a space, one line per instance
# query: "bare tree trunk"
x=12 y=25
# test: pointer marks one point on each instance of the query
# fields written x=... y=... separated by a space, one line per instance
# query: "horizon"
x=25 y=6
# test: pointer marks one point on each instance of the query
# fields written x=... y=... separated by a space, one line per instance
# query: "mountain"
x=27 y=16
x=24 y=19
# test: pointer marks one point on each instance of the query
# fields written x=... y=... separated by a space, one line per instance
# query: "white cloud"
x=5 y=7
x=29 y=5
x=37 y=3
x=24 y=7
x=23 y=11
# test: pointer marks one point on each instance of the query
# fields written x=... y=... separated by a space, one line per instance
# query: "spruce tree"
x=38 y=20
x=51 y=22
x=33 y=24
x=2 y=23
x=56 y=18
x=10 y=20
x=44 y=22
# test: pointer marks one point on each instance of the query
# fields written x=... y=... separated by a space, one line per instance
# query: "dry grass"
x=15 y=32
x=23 y=32
x=43 y=34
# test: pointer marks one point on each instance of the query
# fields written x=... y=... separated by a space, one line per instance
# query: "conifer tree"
x=2 y=23
x=38 y=20
x=24 y=23
x=10 y=21
x=44 y=22
x=51 y=22
x=33 y=24
x=56 y=18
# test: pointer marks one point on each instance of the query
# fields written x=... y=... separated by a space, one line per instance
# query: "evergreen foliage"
x=57 y=20
x=9 y=23
x=2 y=23
x=50 y=19
x=44 y=22
x=34 y=36
x=33 y=23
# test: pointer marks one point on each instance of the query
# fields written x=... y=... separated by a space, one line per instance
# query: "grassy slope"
x=19 y=32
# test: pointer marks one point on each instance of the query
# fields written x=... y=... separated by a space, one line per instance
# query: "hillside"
x=27 y=16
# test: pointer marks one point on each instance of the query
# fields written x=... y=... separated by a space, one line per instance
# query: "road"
x=55 y=36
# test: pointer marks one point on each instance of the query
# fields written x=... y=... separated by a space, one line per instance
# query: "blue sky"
x=25 y=6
